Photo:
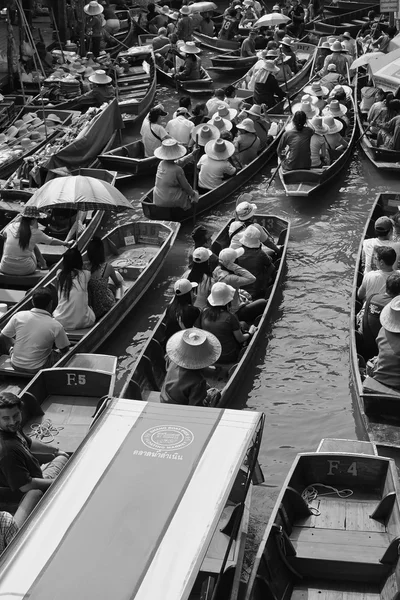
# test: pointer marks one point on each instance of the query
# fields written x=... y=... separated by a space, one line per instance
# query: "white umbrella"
x=202 y=7
x=365 y=59
x=271 y=20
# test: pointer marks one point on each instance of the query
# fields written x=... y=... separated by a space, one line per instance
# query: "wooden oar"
x=364 y=133
x=272 y=177
x=195 y=175
x=284 y=78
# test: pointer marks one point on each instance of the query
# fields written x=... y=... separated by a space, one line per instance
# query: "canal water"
x=300 y=376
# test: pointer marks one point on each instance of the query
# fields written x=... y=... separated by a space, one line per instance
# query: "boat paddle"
x=272 y=177
x=195 y=175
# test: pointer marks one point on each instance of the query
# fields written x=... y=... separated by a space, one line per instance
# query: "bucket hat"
x=316 y=89
x=219 y=149
x=325 y=46
x=319 y=126
x=270 y=66
x=383 y=225
x=100 y=77
x=336 y=47
x=31 y=212
x=170 y=150
x=254 y=110
x=159 y=110
x=229 y=255
x=220 y=123
x=221 y=294
x=190 y=48
x=287 y=41
x=247 y=125
x=251 y=237
x=205 y=133
x=335 y=109
x=245 y=210
x=310 y=110
x=193 y=348
x=201 y=254
x=225 y=112
x=93 y=8
x=390 y=316
x=185 y=10
x=184 y=286
x=334 y=126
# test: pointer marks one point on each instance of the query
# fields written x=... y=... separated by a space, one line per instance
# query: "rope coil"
x=310 y=493
x=45 y=431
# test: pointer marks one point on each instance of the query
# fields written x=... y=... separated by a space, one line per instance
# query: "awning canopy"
x=386 y=71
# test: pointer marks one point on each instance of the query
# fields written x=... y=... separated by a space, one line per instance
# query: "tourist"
x=191 y=68
x=245 y=216
x=230 y=25
x=374 y=282
x=152 y=132
x=231 y=98
x=383 y=233
x=172 y=189
x=21 y=255
x=256 y=261
x=94 y=25
x=266 y=87
x=338 y=58
x=101 y=297
x=349 y=44
x=73 y=310
x=184 y=26
x=32 y=334
x=320 y=92
x=189 y=352
x=332 y=77
x=201 y=273
x=217 y=99
x=343 y=94
x=161 y=41
x=296 y=15
x=184 y=102
x=337 y=111
x=202 y=239
x=214 y=165
x=262 y=124
x=285 y=72
x=102 y=90
x=218 y=319
x=318 y=146
x=181 y=314
x=248 y=47
x=200 y=114
x=335 y=142
x=181 y=127
x=389 y=132
x=294 y=146
x=247 y=143
x=287 y=49
x=387 y=370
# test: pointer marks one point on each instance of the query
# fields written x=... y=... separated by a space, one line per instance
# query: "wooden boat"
x=146 y=378
x=303 y=51
x=137 y=446
x=231 y=62
x=338 y=24
x=215 y=44
x=378 y=405
x=334 y=530
x=124 y=37
x=214 y=197
x=304 y=182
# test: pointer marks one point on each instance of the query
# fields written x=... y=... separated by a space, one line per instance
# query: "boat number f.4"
x=335 y=465
x=74 y=379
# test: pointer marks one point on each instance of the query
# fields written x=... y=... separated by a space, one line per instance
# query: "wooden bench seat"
x=23 y=281
x=11 y=296
x=336 y=590
x=7 y=369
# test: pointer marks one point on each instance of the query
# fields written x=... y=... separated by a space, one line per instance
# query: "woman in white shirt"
x=152 y=132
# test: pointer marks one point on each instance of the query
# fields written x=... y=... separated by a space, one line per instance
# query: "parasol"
x=80 y=192
x=365 y=59
x=202 y=6
x=271 y=20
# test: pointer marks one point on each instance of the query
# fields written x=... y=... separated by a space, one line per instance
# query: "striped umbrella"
x=79 y=192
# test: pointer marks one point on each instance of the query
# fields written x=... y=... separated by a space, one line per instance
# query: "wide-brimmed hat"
x=254 y=110
x=272 y=53
x=88 y=72
x=184 y=286
x=164 y=10
x=335 y=108
x=334 y=126
x=310 y=99
x=319 y=126
x=383 y=225
x=346 y=89
x=245 y=210
x=221 y=294
x=270 y=66
x=225 y=112
x=12 y=131
x=220 y=123
x=100 y=77
x=331 y=40
x=316 y=89
x=390 y=316
x=201 y=254
x=174 y=15
x=31 y=212
x=193 y=348
x=28 y=117
x=93 y=8
x=346 y=35
x=229 y=255
x=309 y=110
x=251 y=237
x=202 y=134
x=190 y=48
x=336 y=47
x=54 y=118
x=185 y=10
x=325 y=46
x=219 y=149
x=159 y=110
x=77 y=66
x=287 y=41
x=170 y=150
x=247 y=125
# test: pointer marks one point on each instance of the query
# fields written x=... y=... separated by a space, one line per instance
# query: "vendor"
x=101 y=92
x=172 y=189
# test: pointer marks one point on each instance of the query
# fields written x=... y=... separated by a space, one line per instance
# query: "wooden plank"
x=358 y=516
x=347 y=446
x=332 y=514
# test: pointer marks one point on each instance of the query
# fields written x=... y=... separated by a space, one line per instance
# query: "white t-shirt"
x=75 y=312
x=152 y=135
x=212 y=105
x=374 y=282
x=15 y=260
x=368 y=251
x=212 y=172
x=180 y=129
x=35 y=332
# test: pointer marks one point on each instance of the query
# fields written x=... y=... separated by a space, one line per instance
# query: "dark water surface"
x=300 y=377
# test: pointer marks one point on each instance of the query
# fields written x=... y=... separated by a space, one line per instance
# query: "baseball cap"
x=229 y=255
x=184 y=286
x=383 y=225
x=201 y=255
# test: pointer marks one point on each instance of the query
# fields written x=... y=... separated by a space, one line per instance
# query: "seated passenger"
x=73 y=310
x=32 y=334
x=181 y=314
x=189 y=352
x=247 y=143
x=294 y=146
x=191 y=69
x=318 y=145
x=262 y=124
x=180 y=128
x=201 y=273
x=231 y=99
x=335 y=142
x=200 y=114
x=21 y=256
x=376 y=110
x=172 y=189
x=161 y=41
x=389 y=132
x=245 y=216
x=101 y=296
x=332 y=78
x=202 y=239
x=383 y=232
x=320 y=92
x=102 y=90
x=214 y=165
x=285 y=72
x=374 y=282
x=337 y=111
x=10 y=524
x=218 y=319
x=387 y=370
x=256 y=261
x=152 y=132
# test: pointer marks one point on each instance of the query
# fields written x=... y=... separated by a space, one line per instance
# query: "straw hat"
x=170 y=150
x=201 y=254
x=247 y=125
x=316 y=89
x=334 y=108
x=331 y=40
x=270 y=66
x=12 y=132
x=190 y=48
x=287 y=41
x=220 y=123
x=325 y=46
x=53 y=118
x=228 y=256
x=221 y=294
x=100 y=77
x=255 y=110
x=346 y=35
x=336 y=47
x=225 y=112
x=193 y=348
x=36 y=136
x=205 y=133
x=310 y=99
x=272 y=53
x=245 y=210
x=164 y=10
x=332 y=68
x=185 y=10
x=184 y=286
x=219 y=149
x=319 y=126
x=345 y=88
x=77 y=67
x=26 y=143
x=93 y=8
x=174 y=15
x=31 y=212
x=334 y=126
x=28 y=117
x=390 y=316
x=251 y=237
x=310 y=110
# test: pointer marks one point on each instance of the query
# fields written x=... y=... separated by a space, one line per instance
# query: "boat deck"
x=336 y=590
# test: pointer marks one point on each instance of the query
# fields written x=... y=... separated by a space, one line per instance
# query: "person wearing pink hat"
x=294 y=146
x=247 y=143
x=172 y=189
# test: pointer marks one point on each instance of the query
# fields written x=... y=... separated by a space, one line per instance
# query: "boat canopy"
x=134 y=512
x=386 y=71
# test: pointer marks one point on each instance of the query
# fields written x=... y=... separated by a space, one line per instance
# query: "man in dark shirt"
x=20 y=470
x=296 y=15
x=256 y=261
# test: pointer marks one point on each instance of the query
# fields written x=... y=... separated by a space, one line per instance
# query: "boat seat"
x=374 y=387
x=7 y=369
x=26 y=281
x=11 y=296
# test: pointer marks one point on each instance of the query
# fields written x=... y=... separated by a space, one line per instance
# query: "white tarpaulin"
x=386 y=71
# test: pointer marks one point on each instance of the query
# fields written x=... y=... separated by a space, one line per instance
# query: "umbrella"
x=202 y=6
x=271 y=19
x=365 y=59
x=80 y=192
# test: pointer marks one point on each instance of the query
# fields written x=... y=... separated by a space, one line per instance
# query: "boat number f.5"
x=74 y=379
x=334 y=465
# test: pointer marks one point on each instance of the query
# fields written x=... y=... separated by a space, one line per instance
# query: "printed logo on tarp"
x=167 y=437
